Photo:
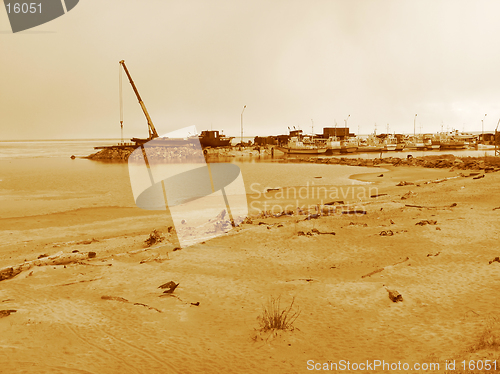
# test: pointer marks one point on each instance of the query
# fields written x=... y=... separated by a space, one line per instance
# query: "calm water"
x=38 y=177
x=51 y=148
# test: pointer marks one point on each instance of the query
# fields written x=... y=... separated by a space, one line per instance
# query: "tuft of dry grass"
x=490 y=338
x=275 y=318
x=487 y=347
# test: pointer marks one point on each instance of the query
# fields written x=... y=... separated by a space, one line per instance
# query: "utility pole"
x=414 y=130
x=482 y=130
x=241 y=139
x=346 y=133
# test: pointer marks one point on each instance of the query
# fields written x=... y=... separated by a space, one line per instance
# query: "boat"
x=452 y=144
x=432 y=142
x=390 y=143
x=372 y=144
x=303 y=145
x=349 y=146
x=214 y=138
x=332 y=144
x=415 y=143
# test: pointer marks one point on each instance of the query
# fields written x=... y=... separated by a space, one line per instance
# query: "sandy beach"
x=106 y=314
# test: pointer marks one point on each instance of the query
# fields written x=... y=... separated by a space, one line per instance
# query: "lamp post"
x=241 y=139
x=346 y=133
x=414 y=132
x=482 y=130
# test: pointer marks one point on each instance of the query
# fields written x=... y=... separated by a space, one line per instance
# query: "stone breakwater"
x=436 y=161
x=153 y=153
x=179 y=153
x=112 y=154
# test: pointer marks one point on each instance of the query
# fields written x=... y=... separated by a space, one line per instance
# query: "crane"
x=151 y=128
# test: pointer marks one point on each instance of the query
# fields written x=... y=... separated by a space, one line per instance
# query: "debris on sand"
x=378 y=195
x=496 y=259
x=426 y=222
x=338 y=202
x=358 y=224
x=403 y=183
x=382 y=269
x=154 y=238
x=408 y=195
x=394 y=295
x=196 y=303
x=479 y=176
x=169 y=287
x=121 y=299
x=354 y=211
x=115 y=298
x=6 y=312
x=386 y=233
x=431 y=255
x=59 y=258
x=314 y=232
x=274 y=189
x=373 y=272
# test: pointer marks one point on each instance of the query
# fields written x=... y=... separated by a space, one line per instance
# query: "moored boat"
x=349 y=146
x=299 y=144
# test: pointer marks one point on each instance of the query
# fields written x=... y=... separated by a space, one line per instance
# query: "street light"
x=241 y=140
x=346 y=133
x=482 y=130
x=414 y=119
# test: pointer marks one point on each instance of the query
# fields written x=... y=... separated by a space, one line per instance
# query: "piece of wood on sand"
x=382 y=269
x=59 y=258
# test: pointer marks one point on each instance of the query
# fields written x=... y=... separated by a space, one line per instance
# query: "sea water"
x=38 y=177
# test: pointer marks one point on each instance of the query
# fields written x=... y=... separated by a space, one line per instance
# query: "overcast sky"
x=290 y=62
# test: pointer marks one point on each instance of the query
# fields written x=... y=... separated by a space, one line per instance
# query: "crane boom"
x=152 y=131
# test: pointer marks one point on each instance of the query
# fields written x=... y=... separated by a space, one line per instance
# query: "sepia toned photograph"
x=227 y=186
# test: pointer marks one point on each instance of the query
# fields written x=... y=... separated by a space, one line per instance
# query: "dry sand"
x=449 y=289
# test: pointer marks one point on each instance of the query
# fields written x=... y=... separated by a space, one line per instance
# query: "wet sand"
x=63 y=325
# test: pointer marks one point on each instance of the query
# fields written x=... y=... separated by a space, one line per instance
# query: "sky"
x=293 y=63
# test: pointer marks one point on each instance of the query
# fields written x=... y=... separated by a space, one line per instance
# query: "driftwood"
x=426 y=222
x=431 y=255
x=82 y=281
x=496 y=259
x=381 y=269
x=418 y=206
x=121 y=299
x=59 y=258
x=314 y=232
x=373 y=272
x=6 y=312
